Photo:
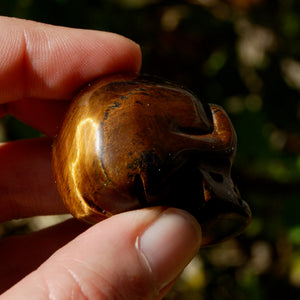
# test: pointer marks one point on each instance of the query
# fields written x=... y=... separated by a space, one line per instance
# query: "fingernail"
x=169 y=244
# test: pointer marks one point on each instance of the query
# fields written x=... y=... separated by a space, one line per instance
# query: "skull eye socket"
x=139 y=190
x=191 y=130
x=208 y=112
x=205 y=123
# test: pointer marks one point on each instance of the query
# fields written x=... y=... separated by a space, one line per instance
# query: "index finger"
x=40 y=61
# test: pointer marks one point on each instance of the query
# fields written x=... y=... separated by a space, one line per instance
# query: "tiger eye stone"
x=130 y=141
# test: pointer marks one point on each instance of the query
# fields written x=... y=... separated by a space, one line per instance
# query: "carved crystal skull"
x=129 y=141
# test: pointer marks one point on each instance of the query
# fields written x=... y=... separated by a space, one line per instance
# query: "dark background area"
x=245 y=56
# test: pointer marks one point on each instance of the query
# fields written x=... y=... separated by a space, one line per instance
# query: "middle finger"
x=26 y=182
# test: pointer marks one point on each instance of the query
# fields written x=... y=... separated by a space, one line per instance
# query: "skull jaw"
x=221 y=216
x=221 y=220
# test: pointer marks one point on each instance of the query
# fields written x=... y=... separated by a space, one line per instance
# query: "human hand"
x=133 y=255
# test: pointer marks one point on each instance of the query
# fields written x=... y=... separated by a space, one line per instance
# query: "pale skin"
x=133 y=255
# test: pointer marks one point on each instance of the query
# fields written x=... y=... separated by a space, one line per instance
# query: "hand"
x=133 y=255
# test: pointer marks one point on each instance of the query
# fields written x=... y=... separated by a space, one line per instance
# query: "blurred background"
x=245 y=56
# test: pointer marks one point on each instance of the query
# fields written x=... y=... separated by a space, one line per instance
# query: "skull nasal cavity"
x=216 y=177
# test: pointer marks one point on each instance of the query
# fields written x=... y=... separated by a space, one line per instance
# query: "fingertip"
x=132 y=56
x=107 y=262
x=169 y=244
x=43 y=61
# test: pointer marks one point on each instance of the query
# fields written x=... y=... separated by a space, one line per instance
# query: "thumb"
x=133 y=255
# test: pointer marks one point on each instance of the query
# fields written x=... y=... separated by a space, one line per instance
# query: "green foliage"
x=247 y=60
